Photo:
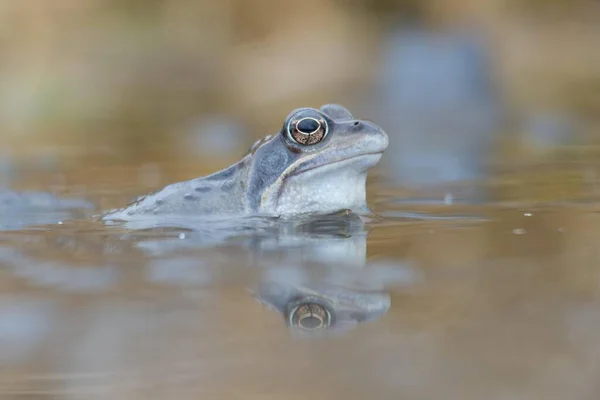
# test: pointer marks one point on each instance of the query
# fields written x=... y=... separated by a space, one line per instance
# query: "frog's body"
x=317 y=163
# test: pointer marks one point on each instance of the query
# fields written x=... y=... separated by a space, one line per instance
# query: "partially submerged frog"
x=316 y=164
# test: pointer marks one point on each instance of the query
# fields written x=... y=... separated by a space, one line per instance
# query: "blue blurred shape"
x=437 y=101
x=24 y=324
x=22 y=209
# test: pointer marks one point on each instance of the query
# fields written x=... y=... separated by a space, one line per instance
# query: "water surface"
x=428 y=299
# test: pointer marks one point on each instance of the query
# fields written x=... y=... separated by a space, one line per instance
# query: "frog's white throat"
x=326 y=189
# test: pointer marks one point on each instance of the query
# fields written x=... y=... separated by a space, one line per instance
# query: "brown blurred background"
x=126 y=81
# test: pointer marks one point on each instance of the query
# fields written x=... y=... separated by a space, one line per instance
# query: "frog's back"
x=222 y=193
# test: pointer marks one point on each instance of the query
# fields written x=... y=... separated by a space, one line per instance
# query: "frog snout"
x=374 y=134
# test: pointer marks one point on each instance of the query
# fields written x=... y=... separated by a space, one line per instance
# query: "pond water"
x=439 y=299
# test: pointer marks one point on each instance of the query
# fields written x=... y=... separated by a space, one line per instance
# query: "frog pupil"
x=308 y=125
x=311 y=322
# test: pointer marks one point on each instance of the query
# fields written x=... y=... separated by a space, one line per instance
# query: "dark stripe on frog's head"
x=269 y=162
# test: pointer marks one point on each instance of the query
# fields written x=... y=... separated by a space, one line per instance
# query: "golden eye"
x=308 y=130
x=310 y=317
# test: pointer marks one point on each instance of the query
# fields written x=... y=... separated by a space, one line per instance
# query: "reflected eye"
x=310 y=317
x=307 y=130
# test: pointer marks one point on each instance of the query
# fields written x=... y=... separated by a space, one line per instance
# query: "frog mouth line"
x=301 y=171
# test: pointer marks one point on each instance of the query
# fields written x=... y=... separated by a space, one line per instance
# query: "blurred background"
x=157 y=85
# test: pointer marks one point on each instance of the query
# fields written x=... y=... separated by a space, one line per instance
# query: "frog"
x=317 y=163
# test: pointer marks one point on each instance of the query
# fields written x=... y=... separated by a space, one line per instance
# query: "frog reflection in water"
x=317 y=163
x=312 y=307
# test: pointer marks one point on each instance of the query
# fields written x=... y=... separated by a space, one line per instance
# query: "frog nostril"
x=356 y=123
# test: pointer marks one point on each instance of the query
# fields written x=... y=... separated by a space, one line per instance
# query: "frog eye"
x=310 y=317
x=307 y=130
